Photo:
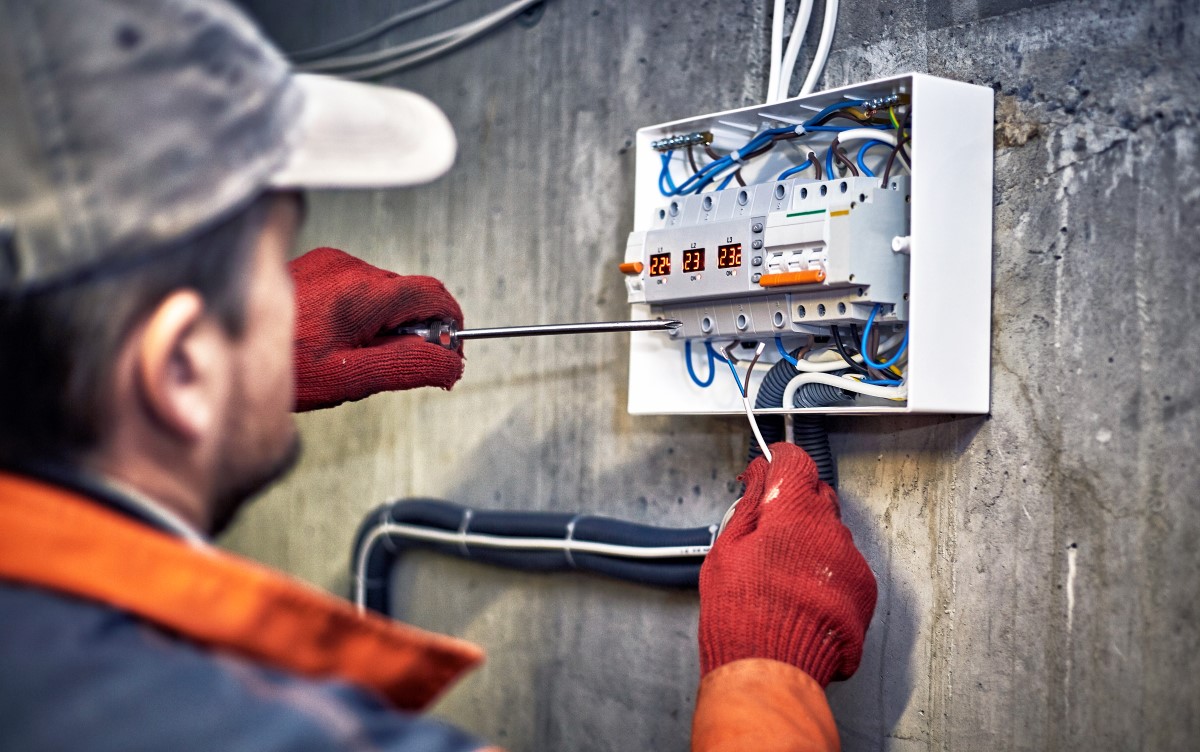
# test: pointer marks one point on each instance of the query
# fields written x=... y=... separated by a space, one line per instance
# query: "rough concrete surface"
x=1038 y=569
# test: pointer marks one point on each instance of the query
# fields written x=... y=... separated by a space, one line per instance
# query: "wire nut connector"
x=670 y=143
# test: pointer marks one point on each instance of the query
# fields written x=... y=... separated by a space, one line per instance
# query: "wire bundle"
x=400 y=57
x=865 y=127
x=783 y=66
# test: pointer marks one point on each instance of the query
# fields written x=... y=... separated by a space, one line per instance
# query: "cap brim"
x=354 y=135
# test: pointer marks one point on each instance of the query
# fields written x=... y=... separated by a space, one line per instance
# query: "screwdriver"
x=444 y=333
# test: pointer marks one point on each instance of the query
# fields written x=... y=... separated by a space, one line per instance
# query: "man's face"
x=260 y=442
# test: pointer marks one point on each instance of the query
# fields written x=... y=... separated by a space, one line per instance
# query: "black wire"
x=846 y=355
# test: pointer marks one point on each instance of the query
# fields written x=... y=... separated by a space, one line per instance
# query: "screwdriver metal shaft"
x=541 y=330
x=443 y=332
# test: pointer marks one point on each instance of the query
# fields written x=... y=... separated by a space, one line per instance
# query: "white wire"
x=867 y=134
x=433 y=535
x=850 y=385
x=788 y=69
x=762 y=443
x=818 y=63
x=776 y=50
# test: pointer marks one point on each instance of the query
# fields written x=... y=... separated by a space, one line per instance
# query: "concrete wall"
x=1038 y=569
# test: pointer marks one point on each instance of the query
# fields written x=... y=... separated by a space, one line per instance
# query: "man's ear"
x=182 y=366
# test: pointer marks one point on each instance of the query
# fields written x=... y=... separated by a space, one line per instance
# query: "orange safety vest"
x=56 y=539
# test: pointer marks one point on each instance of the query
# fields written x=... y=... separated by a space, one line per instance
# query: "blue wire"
x=784 y=353
x=839 y=128
x=665 y=174
x=862 y=153
x=736 y=378
x=713 y=352
x=834 y=108
x=829 y=165
x=687 y=357
x=863 y=345
x=792 y=171
x=881 y=382
x=725 y=183
x=699 y=180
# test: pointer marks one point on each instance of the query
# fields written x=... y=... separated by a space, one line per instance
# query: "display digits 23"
x=693 y=260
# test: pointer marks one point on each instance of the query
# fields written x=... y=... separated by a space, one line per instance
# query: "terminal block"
x=773 y=259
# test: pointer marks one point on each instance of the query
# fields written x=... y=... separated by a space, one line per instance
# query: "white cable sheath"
x=850 y=385
x=799 y=29
x=818 y=63
x=762 y=443
x=776 y=50
x=867 y=134
x=433 y=535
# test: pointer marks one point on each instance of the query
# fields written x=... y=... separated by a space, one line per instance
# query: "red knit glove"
x=344 y=307
x=784 y=580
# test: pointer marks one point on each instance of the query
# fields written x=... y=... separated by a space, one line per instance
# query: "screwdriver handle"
x=438 y=332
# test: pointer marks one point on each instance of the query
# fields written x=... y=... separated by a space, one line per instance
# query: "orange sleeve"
x=762 y=705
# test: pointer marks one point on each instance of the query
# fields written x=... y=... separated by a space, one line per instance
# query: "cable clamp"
x=462 y=532
x=736 y=156
x=386 y=514
x=800 y=130
x=569 y=538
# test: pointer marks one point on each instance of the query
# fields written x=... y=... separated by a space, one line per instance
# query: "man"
x=152 y=156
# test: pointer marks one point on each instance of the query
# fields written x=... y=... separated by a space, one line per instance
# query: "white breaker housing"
x=784 y=258
x=811 y=253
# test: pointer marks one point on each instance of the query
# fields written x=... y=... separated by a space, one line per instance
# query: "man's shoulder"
x=83 y=675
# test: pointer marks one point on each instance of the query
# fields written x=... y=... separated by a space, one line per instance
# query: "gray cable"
x=368 y=34
x=454 y=38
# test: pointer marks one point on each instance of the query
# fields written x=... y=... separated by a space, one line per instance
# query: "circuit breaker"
x=774 y=259
x=861 y=217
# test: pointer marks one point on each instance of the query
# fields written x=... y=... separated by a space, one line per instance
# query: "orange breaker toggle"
x=782 y=279
x=631 y=267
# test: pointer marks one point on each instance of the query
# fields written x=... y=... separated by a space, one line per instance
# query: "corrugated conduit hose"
x=808 y=430
x=528 y=541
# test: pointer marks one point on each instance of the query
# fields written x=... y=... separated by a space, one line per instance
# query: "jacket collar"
x=57 y=538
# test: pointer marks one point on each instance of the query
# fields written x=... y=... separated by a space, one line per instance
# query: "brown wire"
x=873 y=349
x=691 y=155
x=812 y=157
x=840 y=157
x=887 y=170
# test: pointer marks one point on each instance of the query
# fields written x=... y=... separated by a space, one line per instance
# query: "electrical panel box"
x=898 y=239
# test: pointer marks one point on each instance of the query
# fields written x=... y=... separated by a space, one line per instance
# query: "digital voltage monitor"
x=660 y=264
x=729 y=256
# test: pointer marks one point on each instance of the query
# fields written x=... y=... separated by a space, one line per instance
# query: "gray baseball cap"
x=126 y=125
